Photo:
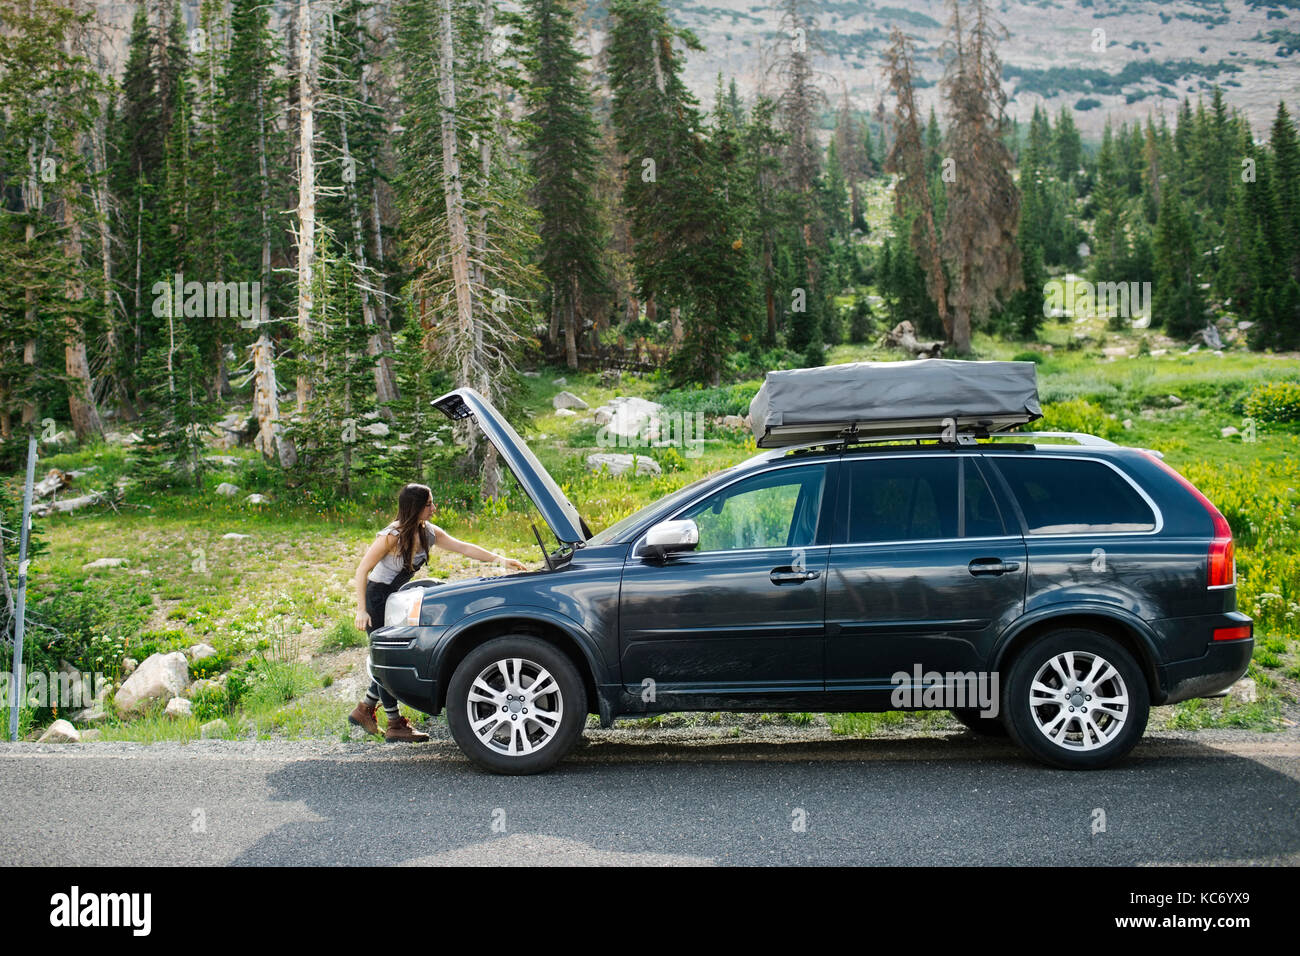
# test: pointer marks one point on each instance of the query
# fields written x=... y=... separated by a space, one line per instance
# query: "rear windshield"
x=1074 y=496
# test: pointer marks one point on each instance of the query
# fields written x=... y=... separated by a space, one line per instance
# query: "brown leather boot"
x=400 y=728
x=364 y=717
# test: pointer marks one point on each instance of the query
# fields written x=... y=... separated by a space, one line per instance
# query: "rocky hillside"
x=1149 y=54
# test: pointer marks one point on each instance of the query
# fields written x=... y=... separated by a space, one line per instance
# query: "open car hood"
x=556 y=509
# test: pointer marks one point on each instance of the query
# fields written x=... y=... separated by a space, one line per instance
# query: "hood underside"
x=557 y=510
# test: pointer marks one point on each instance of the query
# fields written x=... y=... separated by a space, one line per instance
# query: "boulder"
x=733 y=421
x=178 y=707
x=619 y=464
x=160 y=676
x=1127 y=423
x=1228 y=431
x=568 y=400
x=375 y=430
x=629 y=417
x=60 y=732
x=201 y=652
x=256 y=499
x=227 y=489
x=89 y=735
x=214 y=728
x=565 y=412
x=1244 y=691
x=234 y=536
x=225 y=461
x=106 y=563
x=531 y=374
x=560 y=381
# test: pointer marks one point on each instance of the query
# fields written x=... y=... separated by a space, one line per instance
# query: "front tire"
x=516 y=705
x=1076 y=700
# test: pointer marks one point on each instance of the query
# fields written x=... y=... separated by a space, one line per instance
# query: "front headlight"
x=403 y=607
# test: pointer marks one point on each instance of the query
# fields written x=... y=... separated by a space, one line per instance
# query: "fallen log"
x=903 y=336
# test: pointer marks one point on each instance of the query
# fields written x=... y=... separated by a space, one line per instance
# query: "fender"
x=1130 y=622
x=590 y=649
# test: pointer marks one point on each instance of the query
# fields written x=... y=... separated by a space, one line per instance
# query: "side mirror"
x=669 y=536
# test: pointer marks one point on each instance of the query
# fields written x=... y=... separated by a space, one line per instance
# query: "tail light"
x=1222 y=557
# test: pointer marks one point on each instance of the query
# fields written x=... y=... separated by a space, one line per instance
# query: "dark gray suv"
x=1046 y=591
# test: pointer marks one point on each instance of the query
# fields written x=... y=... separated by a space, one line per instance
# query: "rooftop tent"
x=886 y=398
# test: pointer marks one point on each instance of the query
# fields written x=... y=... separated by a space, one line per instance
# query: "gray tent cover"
x=884 y=398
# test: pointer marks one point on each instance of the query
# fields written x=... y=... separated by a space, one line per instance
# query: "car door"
x=925 y=571
x=738 y=620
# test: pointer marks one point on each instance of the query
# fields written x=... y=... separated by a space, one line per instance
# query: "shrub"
x=1274 y=402
x=1077 y=415
x=342 y=636
x=1036 y=357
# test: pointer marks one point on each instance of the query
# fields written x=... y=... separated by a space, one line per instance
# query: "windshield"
x=616 y=530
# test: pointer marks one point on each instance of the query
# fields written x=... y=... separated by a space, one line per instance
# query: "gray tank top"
x=392 y=564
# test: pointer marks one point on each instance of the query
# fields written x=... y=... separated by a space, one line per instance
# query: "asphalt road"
x=954 y=800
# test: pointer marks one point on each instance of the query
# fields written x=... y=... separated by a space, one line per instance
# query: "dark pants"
x=376 y=597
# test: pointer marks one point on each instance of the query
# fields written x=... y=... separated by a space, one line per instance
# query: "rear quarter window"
x=1074 y=496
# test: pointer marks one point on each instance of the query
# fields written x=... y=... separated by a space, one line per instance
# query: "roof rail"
x=1083 y=438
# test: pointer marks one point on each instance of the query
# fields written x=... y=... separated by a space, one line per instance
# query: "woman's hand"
x=514 y=564
x=362 y=621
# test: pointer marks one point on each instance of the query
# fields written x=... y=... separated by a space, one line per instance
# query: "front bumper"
x=400 y=659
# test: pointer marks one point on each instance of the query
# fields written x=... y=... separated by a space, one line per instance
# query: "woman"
x=396 y=554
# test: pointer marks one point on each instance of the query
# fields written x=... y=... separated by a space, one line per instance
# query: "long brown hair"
x=410 y=502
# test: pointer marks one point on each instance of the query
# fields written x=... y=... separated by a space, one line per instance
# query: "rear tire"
x=1076 y=699
x=516 y=705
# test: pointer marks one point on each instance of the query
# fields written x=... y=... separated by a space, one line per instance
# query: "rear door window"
x=1074 y=496
x=917 y=499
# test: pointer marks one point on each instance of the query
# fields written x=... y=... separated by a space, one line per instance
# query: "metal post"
x=18 y=684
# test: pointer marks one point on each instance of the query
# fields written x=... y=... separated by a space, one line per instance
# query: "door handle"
x=791 y=576
x=982 y=566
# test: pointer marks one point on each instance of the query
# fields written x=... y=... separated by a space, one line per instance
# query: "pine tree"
x=1177 y=299
x=913 y=201
x=562 y=160
x=983 y=210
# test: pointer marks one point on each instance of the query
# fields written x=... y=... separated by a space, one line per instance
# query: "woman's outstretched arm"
x=447 y=542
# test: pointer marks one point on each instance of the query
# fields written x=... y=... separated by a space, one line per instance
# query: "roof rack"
x=961 y=439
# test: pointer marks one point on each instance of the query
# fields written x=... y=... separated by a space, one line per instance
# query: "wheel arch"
x=1130 y=633
x=566 y=636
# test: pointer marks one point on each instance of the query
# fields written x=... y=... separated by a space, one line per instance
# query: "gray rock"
x=1175 y=400
x=161 y=675
x=560 y=381
x=630 y=417
x=1244 y=691
x=227 y=489
x=565 y=412
x=234 y=536
x=733 y=421
x=256 y=499
x=531 y=374
x=90 y=735
x=1228 y=431
x=60 y=732
x=201 y=652
x=619 y=464
x=225 y=461
x=376 y=430
x=106 y=563
x=568 y=400
x=129 y=664
x=1127 y=423
x=214 y=728
x=178 y=707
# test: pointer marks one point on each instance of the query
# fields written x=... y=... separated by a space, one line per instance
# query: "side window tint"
x=1074 y=496
x=774 y=510
x=983 y=519
x=902 y=499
